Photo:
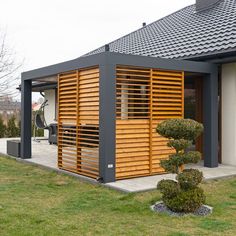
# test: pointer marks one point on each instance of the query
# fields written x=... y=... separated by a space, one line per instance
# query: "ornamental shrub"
x=189 y=178
x=182 y=195
x=169 y=188
x=180 y=129
x=191 y=157
x=174 y=163
x=186 y=201
x=179 y=144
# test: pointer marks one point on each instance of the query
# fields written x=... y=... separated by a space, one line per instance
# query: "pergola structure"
x=109 y=105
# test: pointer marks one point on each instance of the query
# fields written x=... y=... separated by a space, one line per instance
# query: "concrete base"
x=45 y=155
x=150 y=182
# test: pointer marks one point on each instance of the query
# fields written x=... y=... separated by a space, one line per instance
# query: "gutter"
x=226 y=56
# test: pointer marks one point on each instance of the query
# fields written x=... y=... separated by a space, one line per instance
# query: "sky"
x=45 y=32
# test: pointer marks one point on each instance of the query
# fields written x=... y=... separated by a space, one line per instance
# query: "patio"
x=45 y=155
x=42 y=153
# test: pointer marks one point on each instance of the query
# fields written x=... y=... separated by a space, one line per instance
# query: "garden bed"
x=160 y=207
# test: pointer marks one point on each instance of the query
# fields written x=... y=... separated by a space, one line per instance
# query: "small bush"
x=179 y=144
x=2 y=128
x=12 y=130
x=180 y=129
x=192 y=157
x=169 y=188
x=172 y=164
x=189 y=178
x=186 y=201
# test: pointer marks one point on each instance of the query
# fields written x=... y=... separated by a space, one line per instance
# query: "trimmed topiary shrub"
x=169 y=188
x=186 y=201
x=179 y=144
x=180 y=129
x=174 y=163
x=182 y=195
x=189 y=178
x=191 y=157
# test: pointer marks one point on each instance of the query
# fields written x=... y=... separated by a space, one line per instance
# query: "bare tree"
x=9 y=71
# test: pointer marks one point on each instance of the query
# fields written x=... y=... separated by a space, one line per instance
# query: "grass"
x=37 y=202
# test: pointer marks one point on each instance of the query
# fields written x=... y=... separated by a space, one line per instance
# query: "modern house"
x=108 y=102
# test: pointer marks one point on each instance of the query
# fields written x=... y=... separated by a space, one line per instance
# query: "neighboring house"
x=8 y=109
x=36 y=106
x=186 y=59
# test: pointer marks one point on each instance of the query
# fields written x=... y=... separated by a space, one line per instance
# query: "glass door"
x=193 y=105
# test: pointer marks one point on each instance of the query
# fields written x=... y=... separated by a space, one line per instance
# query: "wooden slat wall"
x=167 y=102
x=78 y=122
x=67 y=120
x=144 y=98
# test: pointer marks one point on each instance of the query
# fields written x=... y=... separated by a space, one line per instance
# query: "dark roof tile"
x=183 y=34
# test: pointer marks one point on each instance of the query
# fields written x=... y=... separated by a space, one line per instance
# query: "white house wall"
x=49 y=111
x=229 y=114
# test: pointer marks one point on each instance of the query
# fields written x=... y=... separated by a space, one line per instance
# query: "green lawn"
x=37 y=202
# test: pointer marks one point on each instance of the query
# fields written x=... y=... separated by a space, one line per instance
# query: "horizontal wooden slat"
x=78 y=96
x=139 y=148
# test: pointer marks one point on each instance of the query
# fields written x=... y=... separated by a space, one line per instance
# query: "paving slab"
x=45 y=155
x=150 y=182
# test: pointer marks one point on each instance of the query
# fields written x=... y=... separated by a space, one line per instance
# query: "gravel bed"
x=160 y=207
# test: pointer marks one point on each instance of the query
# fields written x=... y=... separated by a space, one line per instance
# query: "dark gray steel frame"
x=107 y=62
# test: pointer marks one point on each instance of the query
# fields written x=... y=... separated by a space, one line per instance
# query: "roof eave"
x=223 y=56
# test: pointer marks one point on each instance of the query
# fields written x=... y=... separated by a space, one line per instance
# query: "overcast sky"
x=44 y=32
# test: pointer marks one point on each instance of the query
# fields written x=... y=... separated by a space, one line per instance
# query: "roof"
x=36 y=106
x=183 y=34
